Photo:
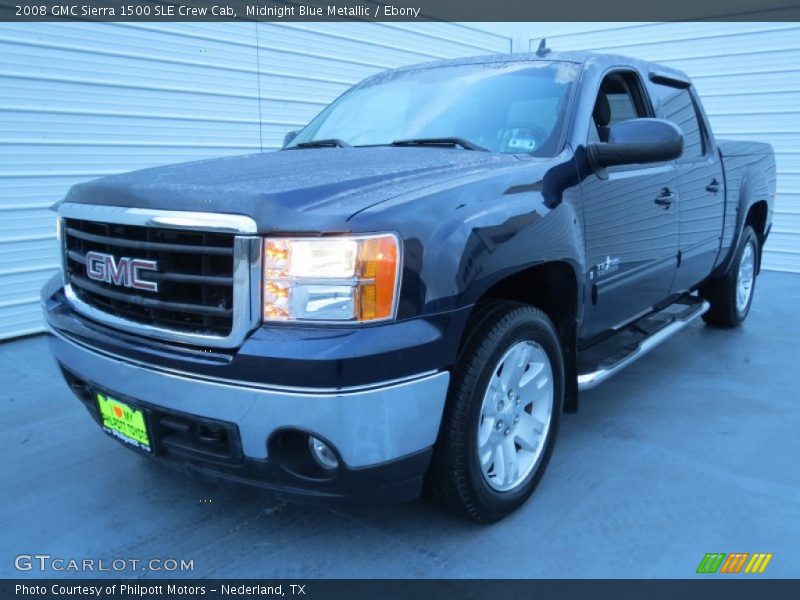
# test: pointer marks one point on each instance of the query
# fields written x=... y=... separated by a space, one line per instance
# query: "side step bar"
x=637 y=339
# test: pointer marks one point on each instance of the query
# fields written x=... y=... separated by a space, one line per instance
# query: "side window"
x=619 y=99
x=676 y=105
x=622 y=108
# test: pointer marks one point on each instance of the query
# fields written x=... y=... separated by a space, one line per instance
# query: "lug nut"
x=507 y=431
x=500 y=405
x=499 y=425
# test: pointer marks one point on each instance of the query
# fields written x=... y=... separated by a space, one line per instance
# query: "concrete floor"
x=693 y=449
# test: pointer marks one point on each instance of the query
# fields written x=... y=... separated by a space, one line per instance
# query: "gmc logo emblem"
x=125 y=272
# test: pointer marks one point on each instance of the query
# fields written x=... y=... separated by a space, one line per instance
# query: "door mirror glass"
x=638 y=141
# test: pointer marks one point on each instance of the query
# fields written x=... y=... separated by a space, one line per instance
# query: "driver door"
x=630 y=220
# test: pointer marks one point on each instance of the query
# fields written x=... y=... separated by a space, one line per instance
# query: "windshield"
x=503 y=107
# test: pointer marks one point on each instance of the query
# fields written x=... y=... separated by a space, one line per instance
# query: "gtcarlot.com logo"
x=47 y=562
x=719 y=562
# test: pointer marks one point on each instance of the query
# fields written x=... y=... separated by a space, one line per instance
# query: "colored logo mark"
x=719 y=562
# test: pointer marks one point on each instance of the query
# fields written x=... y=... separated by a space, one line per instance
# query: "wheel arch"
x=757 y=216
x=552 y=287
x=752 y=208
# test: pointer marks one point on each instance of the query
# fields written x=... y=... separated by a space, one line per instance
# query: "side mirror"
x=287 y=139
x=638 y=141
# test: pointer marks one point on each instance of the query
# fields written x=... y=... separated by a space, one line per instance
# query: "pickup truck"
x=406 y=297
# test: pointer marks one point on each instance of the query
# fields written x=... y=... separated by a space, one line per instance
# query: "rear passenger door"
x=630 y=220
x=700 y=184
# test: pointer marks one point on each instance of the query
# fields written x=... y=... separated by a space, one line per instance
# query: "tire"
x=475 y=421
x=725 y=294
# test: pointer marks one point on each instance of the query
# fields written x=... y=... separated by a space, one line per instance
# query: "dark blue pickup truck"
x=409 y=294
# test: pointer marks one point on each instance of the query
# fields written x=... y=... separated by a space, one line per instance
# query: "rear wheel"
x=731 y=296
x=502 y=413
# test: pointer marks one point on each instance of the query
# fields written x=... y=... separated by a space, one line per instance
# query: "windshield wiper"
x=443 y=141
x=329 y=143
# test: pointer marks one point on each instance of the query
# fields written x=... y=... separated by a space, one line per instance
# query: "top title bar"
x=399 y=10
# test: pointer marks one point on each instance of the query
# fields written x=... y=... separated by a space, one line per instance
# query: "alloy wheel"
x=515 y=416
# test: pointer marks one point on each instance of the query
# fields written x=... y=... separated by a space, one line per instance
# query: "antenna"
x=543 y=50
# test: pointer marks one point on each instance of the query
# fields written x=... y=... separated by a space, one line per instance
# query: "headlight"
x=331 y=279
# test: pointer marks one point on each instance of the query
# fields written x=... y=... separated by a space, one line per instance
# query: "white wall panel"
x=79 y=101
x=748 y=75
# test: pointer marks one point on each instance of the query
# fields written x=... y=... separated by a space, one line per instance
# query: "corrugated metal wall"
x=748 y=76
x=78 y=101
x=82 y=100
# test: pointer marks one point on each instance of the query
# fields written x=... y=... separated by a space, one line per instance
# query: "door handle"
x=713 y=186
x=665 y=198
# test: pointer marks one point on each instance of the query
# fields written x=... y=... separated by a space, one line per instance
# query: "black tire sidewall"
x=527 y=326
x=721 y=292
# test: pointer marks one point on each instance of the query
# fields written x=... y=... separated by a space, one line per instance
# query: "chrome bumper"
x=368 y=426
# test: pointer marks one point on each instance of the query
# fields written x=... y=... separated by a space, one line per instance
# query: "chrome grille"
x=194 y=276
x=205 y=294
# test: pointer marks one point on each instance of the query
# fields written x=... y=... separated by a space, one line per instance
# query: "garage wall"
x=78 y=101
x=748 y=76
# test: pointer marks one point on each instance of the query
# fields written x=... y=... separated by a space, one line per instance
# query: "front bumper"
x=392 y=481
x=381 y=432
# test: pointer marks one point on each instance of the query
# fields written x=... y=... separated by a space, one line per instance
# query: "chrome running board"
x=636 y=341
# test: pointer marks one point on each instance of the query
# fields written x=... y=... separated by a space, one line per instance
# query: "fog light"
x=322 y=453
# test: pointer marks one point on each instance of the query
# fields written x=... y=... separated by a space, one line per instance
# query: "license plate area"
x=125 y=422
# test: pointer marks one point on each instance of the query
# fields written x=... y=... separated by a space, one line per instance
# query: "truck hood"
x=308 y=189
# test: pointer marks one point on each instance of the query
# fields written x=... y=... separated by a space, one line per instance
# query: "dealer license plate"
x=124 y=422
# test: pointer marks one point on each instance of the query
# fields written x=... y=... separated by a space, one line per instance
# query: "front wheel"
x=502 y=413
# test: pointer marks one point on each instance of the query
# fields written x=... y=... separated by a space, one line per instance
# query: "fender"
x=540 y=242
x=753 y=187
x=533 y=246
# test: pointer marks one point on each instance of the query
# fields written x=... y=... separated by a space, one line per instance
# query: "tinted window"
x=677 y=106
x=504 y=107
x=622 y=107
x=619 y=99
